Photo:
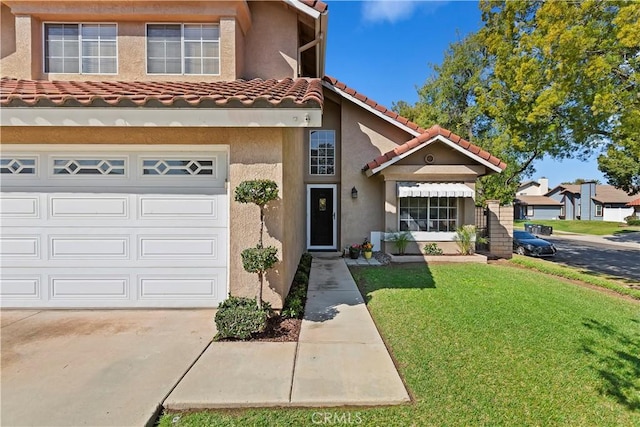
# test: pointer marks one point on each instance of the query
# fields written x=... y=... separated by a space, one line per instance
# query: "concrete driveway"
x=95 y=367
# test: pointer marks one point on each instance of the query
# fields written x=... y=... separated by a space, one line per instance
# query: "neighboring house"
x=126 y=128
x=635 y=205
x=532 y=203
x=592 y=202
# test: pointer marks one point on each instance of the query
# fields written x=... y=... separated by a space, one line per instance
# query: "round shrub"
x=240 y=318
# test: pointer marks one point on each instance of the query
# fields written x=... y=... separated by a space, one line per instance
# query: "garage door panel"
x=86 y=247
x=16 y=287
x=15 y=247
x=87 y=228
x=88 y=286
x=83 y=205
x=19 y=206
x=211 y=285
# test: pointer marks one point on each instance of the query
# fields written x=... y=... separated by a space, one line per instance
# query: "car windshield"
x=523 y=235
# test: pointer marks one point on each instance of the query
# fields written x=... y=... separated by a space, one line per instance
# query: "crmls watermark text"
x=336 y=418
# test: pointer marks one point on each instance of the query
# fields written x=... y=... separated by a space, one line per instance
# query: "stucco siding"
x=271 y=47
x=22 y=36
x=364 y=138
x=294 y=203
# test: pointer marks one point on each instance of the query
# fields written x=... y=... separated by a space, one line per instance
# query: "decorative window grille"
x=178 y=167
x=88 y=167
x=17 y=166
x=322 y=154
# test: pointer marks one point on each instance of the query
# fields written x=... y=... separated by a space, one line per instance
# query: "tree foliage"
x=553 y=79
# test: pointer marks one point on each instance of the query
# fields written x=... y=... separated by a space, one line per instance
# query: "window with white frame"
x=598 y=209
x=80 y=48
x=428 y=214
x=322 y=152
x=183 y=49
x=530 y=210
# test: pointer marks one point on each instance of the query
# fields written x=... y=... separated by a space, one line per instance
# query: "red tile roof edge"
x=373 y=104
x=288 y=92
x=635 y=202
x=425 y=134
x=318 y=5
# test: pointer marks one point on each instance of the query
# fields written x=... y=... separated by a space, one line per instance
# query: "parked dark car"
x=527 y=244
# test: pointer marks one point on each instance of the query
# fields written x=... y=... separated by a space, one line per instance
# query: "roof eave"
x=491 y=166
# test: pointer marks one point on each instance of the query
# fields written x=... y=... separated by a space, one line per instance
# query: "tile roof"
x=316 y=4
x=373 y=104
x=425 y=134
x=635 y=202
x=537 y=200
x=285 y=93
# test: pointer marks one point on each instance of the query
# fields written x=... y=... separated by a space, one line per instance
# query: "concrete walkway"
x=340 y=358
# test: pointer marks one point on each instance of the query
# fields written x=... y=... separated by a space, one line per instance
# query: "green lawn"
x=489 y=345
x=600 y=228
x=621 y=286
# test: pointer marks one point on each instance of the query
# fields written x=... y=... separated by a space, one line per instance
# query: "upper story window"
x=322 y=154
x=80 y=48
x=183 y=49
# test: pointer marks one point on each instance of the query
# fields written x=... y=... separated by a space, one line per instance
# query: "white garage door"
x=119 y=227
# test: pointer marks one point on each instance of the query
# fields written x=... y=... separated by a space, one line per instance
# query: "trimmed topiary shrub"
x=240 y=318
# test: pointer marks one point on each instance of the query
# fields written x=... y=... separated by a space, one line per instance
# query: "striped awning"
x=434 y=189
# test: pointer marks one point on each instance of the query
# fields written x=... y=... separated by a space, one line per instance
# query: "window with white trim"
x=598 y=209
x=322 y=152
x=428 y=214
x=530 y=210
x=183 y=49
x=80 y=48
x=18 y=165
x=178 y=167
x=67 y=166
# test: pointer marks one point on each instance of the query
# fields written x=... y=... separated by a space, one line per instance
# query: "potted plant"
x=367 y=249
x=354 y=251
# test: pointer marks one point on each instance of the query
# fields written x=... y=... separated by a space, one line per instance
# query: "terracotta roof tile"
x=233 y=94
x=316 y=4
x=427 y=136
x=635 y=202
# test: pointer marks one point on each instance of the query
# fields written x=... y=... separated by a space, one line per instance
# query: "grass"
x=488 y=345
x=599 y=228
x=574 y=274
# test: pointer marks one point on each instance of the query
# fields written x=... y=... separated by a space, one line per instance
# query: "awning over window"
x=433 y=189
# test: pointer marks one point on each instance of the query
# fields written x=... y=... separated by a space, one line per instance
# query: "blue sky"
x=383 y=49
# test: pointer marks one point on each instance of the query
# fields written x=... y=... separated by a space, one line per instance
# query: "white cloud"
x=395 y=10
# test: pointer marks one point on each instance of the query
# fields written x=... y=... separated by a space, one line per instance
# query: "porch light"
x=354 y=193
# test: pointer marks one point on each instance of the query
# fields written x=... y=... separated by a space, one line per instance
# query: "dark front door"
x=321 y=218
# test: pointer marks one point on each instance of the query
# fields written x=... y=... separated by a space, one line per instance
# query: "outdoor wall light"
x=354 y=193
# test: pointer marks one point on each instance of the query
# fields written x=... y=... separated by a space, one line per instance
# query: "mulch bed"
x=280 y=330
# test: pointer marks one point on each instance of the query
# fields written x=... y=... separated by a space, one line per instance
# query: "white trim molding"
x=161 y=117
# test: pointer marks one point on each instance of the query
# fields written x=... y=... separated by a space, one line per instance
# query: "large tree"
x=543 y=79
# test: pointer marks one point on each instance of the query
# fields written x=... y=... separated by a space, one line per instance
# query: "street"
x=609 y=259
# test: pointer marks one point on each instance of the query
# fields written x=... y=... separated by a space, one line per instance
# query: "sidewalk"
x=339 y=360
x=625 y=240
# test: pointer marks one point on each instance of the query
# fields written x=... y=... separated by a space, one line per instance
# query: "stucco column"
x=500 y=229
x=26 y=34
x=390 y=209
x=228 y=48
